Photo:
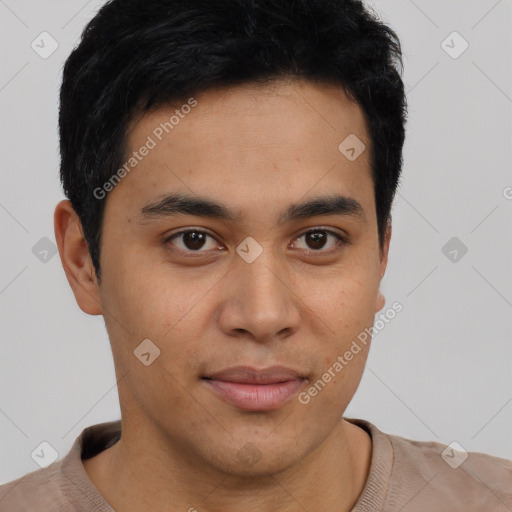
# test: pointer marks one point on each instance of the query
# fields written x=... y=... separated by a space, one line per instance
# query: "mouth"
x=250 y=389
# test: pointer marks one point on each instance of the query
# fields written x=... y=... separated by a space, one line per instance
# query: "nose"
x=259 y=301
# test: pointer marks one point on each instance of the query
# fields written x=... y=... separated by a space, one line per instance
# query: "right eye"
x=191 y=241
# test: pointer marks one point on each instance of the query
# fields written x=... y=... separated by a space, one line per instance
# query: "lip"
x=249 y=375
x=256 y=390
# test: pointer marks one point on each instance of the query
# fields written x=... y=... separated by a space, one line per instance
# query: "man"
x=230 y=168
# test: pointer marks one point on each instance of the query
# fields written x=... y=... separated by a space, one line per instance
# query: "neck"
x=143 y=472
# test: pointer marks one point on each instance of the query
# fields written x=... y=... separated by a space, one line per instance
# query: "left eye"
x=318 y=238
x=194 y=240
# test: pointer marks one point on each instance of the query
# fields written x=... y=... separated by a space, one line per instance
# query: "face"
x=248 y=281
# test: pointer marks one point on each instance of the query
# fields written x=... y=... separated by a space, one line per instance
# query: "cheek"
x=148 y=304
x=347 y=308
x=144 y=291
x=151 y=300
x=344 y=301
x=329 y=394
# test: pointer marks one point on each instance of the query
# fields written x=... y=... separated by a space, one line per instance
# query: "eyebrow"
x=184 y=204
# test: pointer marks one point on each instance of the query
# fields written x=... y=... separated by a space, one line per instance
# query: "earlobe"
x=380 y=302
x=75 y=258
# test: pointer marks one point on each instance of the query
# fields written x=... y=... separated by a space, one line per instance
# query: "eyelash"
x=341 y=240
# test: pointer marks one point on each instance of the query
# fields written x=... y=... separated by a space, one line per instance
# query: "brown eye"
x=316 y=239
x=192 y=240
x=319 y=240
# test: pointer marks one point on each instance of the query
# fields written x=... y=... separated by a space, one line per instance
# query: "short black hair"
x=137 y=55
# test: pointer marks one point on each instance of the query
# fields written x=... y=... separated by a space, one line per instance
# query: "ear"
x=75 y=258
x=381 y=300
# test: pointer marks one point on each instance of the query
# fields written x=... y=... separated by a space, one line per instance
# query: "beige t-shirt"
x=405 y=476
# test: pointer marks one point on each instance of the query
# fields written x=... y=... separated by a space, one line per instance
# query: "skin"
x=255 y=149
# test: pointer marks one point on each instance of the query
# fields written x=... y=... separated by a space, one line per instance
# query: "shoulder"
x=436 y=473
x=414 y=476
x=39 y=490
x=63 y=485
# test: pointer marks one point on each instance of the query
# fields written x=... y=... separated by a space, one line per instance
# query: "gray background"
x=441 y=370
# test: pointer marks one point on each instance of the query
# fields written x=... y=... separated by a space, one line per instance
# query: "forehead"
x=254 y=144
x=278 y=113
